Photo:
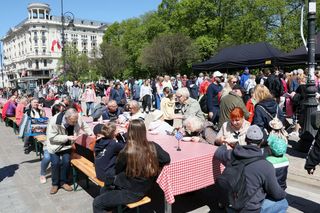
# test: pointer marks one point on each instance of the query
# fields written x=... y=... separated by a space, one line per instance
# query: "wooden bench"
x=87 y=168
x=136 y=205
x=14 y=124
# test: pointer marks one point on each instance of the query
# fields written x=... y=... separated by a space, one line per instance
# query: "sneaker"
x=43 y=179
x=54 y=190
x=67 y=187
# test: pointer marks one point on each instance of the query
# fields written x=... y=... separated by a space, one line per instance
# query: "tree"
x=168 y=53
x=113 y=60
x=76 y=63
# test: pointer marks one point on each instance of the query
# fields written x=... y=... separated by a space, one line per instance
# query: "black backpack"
x=203 y=103
x=232 y=184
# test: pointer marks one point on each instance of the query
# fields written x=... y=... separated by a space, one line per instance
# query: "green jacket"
x=227 y=104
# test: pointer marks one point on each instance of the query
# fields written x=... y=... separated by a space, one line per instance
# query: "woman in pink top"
x=89 y=96
x=20 y=109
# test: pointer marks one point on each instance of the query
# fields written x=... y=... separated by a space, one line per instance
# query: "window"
x=45 y=62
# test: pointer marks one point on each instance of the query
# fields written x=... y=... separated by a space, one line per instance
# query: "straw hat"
x=276 y=124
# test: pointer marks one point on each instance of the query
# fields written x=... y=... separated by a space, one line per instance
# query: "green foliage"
x=76 y=63
x=112 y=62
x=209 y=26
x=168 y=53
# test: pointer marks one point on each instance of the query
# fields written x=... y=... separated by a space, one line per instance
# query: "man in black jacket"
x=273 y=83
x=262 y=185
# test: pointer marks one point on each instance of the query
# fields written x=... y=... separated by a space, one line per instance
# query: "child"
x=106 y=150
x=277 y=142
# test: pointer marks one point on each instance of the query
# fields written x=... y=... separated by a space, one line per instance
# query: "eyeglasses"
x=178 y=96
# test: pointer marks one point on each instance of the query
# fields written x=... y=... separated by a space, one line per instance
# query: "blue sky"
x=14 y=11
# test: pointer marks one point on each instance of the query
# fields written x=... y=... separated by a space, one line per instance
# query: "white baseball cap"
x=217 y=74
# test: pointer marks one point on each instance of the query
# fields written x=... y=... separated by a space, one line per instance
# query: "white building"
x=32 y=49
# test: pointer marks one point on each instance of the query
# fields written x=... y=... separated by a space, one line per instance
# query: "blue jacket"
x=106 y=152
x=244 y=77
x=118 y=95
x=212 y=96
x=262 y=119
x=107 y=115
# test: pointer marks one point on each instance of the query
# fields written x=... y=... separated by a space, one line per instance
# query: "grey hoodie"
x=261 y=177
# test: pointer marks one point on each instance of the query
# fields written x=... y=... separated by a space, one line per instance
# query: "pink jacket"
x=89 y=96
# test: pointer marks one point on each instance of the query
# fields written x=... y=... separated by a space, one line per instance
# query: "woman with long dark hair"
x=137 y=167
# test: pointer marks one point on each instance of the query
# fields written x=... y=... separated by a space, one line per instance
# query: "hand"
x=310 y=171
x=72 y=137
x=210 y=115
x=195 y=139
x=221 y=140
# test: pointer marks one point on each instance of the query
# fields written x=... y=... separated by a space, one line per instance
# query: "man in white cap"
x=213 y=97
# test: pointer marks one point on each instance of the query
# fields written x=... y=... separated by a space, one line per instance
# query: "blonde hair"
x=261 y=92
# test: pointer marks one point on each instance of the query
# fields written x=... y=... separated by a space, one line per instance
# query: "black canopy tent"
x=247 y=55
x=300 y=55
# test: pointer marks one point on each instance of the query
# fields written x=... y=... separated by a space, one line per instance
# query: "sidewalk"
x=21 y=191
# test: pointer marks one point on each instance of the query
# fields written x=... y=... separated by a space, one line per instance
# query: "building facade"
x=33 y=48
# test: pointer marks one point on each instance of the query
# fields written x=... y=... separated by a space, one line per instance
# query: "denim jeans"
x=270 y=206
x=60 y=167
x=90 y=107
x=45 y=162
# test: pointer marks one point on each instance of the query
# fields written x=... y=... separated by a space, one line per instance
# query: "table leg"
x=167 y=207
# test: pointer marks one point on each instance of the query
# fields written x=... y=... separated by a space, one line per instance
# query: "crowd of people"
x=243 y=115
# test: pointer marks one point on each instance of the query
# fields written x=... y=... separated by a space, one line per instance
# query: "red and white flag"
x=55 y=43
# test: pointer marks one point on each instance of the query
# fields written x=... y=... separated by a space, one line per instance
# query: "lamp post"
x=1 y=64
x=310 y=105
x=70 y=18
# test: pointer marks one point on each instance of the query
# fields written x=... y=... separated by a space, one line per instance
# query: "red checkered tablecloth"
x=190 y=169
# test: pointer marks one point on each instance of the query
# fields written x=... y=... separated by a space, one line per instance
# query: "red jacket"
x=250 y=108
x=4 y=110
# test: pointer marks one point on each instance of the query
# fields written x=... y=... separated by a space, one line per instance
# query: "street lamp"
x=1 y=64
x=310 y=105
x=69 y=18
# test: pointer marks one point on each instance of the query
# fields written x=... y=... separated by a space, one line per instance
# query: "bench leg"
x=15 y=128
x=74 y=177
x=87 y=182
x=119 y=209
x=40 y=151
